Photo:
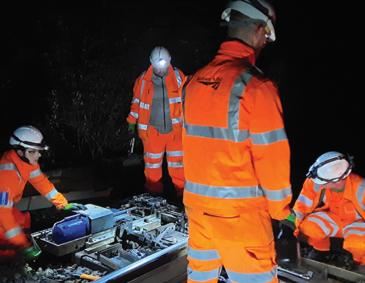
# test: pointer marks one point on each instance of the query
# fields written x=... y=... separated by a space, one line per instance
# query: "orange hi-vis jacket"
x=14 y=174
x=236 y=153
x=143 y=95
x=311 y=196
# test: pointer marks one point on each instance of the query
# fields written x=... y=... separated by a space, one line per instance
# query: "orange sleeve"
x=134 y=110
x=41 y=183
x=270 y=149
x=305 y=202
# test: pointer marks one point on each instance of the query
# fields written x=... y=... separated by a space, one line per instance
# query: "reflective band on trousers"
x=176 y=153
x=174 y=164
x=203 y=275
x=153 y=165
x=305 y=200
x=277 y=195
x=13 y=232
x=35 y=173
x=153 y=155
x=203 y=254
x=174 y=100
x=144 y=105
x=320 y=223
x=330 y=221
x=51 y=194
x=351 y=229
x=261 y=277
x=223 y=192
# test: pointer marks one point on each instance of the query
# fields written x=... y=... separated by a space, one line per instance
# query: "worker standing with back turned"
x=236 y=155
x=156 y=112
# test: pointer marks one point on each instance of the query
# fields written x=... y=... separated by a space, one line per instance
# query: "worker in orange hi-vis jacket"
x=156 y=112
x=236 y=155
x=332 y=204
x=18 y=166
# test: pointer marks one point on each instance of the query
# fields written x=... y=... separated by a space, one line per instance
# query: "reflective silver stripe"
x=153 y=165
x=203 y=276
x=142 y=126
x=320 y=224
x=176 y=120
x=35 y=173
x=216 y=133
x=360 y=195
x=134 y=114
x=8 y=166
x=178 y=77
x=203 y=254
x=144 y=105
x=358 y=216
x=9 y=204
x=354 y=225
x=174 y=100
x=135 y=100
x=51 y=194
x=298 y=214
x=330 y=220
x=261 y=277
x=354 y=232
x=268 y=137
x=223 y=192
x=175 y=164
x=176 y=153
x=277 y=195
x=317 y=188
x=153 y=155
x=13 y=232
x=232 y=133
x=305 y=200
x=142 y=86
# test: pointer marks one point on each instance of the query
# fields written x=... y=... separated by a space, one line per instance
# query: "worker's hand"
x=290 y=221
x=74 y=206
x=132 y=128
x=31 y=253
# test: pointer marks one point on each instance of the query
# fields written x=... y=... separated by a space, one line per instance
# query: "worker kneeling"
x=18 y=166
x=331 y=204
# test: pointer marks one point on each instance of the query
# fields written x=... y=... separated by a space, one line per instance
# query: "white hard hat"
x=160 y=58
x=254 y=9
x=27 y=137
x=331 y=167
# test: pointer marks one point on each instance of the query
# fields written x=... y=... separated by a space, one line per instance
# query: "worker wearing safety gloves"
x=18 y=166
x=236 y=155
x=331 y=204
x=156 y=111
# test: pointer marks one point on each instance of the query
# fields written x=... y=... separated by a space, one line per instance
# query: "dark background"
x=316 y=63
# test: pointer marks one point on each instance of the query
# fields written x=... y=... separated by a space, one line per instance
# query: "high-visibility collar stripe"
x=223 y=192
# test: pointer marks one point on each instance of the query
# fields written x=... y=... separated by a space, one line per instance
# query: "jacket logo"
x=212 y=82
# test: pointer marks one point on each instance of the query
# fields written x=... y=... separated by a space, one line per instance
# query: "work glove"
x=290 y=221
x=74 y=206
x=132 y=128
x=31 y=253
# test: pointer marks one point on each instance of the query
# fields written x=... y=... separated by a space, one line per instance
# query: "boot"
x=317 y=255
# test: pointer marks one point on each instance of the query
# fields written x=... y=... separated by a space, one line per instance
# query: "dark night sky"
x=314 y=60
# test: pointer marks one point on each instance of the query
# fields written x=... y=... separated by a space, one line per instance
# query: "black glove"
x=290 y=221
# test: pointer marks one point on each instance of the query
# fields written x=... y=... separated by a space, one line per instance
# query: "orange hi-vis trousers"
x=320 y=226
x=242 y=243
x=155 y=145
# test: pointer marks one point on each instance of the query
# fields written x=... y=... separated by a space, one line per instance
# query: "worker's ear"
x=20 y=152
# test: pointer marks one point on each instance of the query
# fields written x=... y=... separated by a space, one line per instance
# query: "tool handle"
x=89 y=277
